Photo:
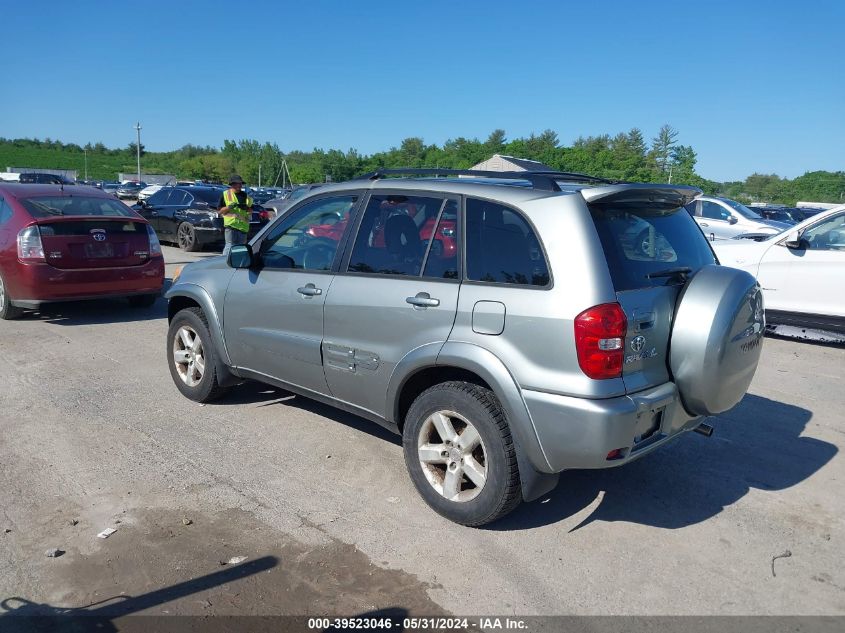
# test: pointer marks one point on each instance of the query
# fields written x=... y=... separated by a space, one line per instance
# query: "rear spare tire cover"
x=717 y=338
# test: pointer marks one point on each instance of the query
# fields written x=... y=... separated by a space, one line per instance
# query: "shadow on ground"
x=758 y=444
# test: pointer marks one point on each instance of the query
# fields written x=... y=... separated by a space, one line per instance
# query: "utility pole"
x=259 y=175
x=85 y=151
x=138 y=148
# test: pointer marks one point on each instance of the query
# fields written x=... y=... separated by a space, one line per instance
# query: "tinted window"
x=210 y=196
x=308 y=238
x=741 y=209
x=637 y=243
x=713 y=211
x=159 y=197
x=177 y=198
x=48 y=206
x=395 y=233
x=828 y=235
x=5 y=211
x=502 y=247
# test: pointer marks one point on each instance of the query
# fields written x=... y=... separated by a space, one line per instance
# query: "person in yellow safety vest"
x=236 y=208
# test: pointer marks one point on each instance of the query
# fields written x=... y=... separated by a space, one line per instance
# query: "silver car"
x=508 y=328
x=723 y=219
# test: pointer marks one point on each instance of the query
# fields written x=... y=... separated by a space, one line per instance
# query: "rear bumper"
x=579 y=433
x=41 y=283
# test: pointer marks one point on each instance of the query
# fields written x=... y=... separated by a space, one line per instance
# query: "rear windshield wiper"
x=681 y=272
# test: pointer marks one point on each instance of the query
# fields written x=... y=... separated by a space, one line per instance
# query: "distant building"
x=500 y=162
x=150 y=179
x=70 y=174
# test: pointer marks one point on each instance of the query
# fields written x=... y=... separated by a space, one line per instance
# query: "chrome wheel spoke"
x=444 y=426
x=469 y=439
x=452 y=482
x=433 y=453
x=199 y=364
x=185 y=336
x=474 y=471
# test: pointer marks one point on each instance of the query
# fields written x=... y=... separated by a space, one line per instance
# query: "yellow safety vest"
x=240 y=219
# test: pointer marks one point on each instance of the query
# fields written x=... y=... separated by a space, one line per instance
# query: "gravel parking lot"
x=95 y=435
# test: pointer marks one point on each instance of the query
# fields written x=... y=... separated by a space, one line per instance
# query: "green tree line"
x=624 y=156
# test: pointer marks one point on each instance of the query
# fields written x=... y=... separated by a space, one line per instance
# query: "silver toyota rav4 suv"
x=508 y=326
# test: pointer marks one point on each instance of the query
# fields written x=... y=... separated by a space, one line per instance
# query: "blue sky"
x=752 y=86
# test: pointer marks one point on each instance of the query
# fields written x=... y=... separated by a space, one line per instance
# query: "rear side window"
x=398 y=233
x=639 y=243
x=5 y=211
x=50 y=206
x=501 y=247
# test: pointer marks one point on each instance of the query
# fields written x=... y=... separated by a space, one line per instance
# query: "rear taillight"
x=29 y=245
x=265 y=215
x=155 y=245
x=600 y=340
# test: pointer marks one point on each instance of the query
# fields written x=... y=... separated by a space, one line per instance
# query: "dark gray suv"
x=508 y=326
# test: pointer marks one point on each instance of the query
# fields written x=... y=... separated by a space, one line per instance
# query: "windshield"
x=48 y=206
x=742 y=209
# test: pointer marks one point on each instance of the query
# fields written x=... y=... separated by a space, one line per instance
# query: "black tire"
x=186 y=237
x=501 y=492
x=207 y=389
x=142 y=301
x=7 y=310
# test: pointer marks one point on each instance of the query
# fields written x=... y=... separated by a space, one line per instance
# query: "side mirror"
x=793 y=240
x=732 y=220
x=240 y=256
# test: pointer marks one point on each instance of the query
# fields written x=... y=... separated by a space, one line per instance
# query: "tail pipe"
x=705 y=429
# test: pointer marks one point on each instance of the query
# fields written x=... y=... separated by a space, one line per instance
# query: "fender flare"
x=493 y=371
x=225 y=375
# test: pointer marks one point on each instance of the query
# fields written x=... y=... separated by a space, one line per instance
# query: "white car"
x=722 y=218
x=146 y=192
x=801 y=271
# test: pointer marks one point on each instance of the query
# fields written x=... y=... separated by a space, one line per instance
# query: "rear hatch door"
x=86 y=242
x=652 y=246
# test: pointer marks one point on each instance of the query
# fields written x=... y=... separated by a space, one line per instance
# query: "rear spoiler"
x=641 y=195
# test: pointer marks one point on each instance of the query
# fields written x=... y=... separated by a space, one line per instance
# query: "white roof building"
x=500 y=162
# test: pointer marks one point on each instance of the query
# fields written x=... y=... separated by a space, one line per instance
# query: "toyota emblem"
x=100 y=237
x=638 y=343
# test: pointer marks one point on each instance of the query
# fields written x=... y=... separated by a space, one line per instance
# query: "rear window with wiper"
x=650 y=247
x=51 y=206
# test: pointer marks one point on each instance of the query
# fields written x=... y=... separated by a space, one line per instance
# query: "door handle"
x=153 y=213
x=704 y=224
x=309 y=290
x=423 y=300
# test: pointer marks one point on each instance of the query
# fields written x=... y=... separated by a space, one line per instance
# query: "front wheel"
x=460 y=453
x=191 y=356
x=186 y=236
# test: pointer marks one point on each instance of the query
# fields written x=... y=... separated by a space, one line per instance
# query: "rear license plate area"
x=99 y=250
x=648 y=426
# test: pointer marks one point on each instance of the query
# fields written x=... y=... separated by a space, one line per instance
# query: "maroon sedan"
x=67 y=243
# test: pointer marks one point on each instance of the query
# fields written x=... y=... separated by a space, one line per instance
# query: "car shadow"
x=758 y=444
x=95 y=312
x=266 y=396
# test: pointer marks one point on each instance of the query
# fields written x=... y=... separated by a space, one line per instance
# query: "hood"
x=780 y=226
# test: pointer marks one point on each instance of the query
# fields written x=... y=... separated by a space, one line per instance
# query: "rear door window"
x=713 y=211
x=501 y=247
x=638 y=244
x=398 y=232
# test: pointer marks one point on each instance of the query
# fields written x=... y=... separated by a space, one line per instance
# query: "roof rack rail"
x=545 y=180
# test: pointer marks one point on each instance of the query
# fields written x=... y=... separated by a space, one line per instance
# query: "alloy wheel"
x=189 y=356
x=185 y=236
x=452 y=456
